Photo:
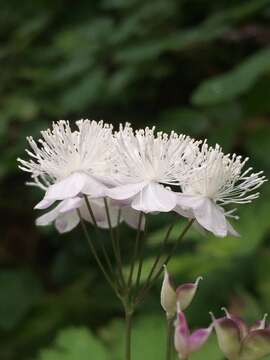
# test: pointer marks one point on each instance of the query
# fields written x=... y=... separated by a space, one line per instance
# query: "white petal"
x=114 y=212
x=73 y=185
x=67 y=222
x=232 y=231
x=69 y=187
x=44 y=204
x=154 y=197
x=97 y=207
x=187 y=203
x=124 y=192
x=211 y=217
x=107 y=181
x=48 y=217
x=99 y=211
x=131 y=217
x=70 y=204
x=188 y=213
x=94 y=188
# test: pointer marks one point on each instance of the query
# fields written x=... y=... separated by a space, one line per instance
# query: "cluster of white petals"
x=138 y=171
x=146 y=165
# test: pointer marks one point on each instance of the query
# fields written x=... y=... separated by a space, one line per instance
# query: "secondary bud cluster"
x=236 y=340
x=174 y=302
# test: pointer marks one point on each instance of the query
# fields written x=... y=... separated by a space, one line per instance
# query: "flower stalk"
x=128 y=320
x=169 y=338
x=94 y=252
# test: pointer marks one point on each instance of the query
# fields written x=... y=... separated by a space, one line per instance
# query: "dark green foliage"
x=199 y=67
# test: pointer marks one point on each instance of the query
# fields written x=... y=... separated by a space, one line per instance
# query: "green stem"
x=117 y=244
x=135 y=250
x=165 y=262
x=91 y=212
x=114 y=245
x=169 y=338
x=141 y=257
x=106 y=256
x=128 y=318
x=93 y=250
x=183 y=233
x=164 y=243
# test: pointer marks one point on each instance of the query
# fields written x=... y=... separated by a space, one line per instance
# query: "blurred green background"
x=198 y=67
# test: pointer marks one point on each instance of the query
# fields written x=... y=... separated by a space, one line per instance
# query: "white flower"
x=145 y=163
x=65 y=215
x=67 y=163
x=215 y=181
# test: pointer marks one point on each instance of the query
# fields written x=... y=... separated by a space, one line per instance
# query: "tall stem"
x=152 y=280
x=114 y=244
x=141 y=258
x=128 y=317
x=169 y=338
x=94 y=252
x=163 y=246
x=91 y=213
x=135 y=250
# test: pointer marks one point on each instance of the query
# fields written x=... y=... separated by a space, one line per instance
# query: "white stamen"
x=146 y=156
x=61 y=152
x=218 y=177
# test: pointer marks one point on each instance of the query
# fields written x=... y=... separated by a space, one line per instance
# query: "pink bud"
x=186 y=292
x=181 y=336
x=168 y=295
x=256 y=345
x=228 y=336
x=259 y=325
x=237 y=342
x=183 y=295
x=186 y=343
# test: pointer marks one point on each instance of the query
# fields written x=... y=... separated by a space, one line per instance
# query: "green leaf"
x=75 y=344
x=234 y=83
x=213 y=27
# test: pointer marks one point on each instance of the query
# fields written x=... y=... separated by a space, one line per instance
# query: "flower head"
x=238 y=341
x=217 y=180
x=182 y=295
x=146 y=162
x=186 y=343
x=67 y=163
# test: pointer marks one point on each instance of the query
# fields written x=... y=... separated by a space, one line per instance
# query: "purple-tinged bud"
x=181 y=336
x=237 y=342
x=184 y=342
x=183 y=295
x=228 y=336
x=186 y=292
x=260 y=324
x=256 y=345
x=242 y=326
x=168 y=295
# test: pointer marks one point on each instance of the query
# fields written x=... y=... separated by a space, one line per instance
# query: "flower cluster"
x=138 y=171
x=236 y=340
